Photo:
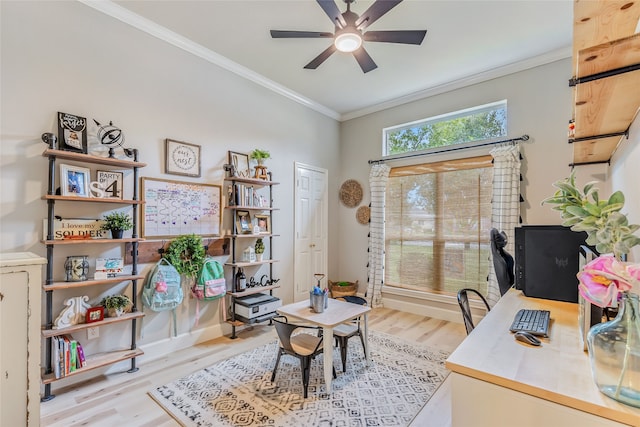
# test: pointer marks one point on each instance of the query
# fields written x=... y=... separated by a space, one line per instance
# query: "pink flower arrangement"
x=603 y=278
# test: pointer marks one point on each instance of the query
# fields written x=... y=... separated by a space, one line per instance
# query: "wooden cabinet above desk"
x=497 y=379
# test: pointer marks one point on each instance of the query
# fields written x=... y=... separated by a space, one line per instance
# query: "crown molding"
x=505 y=70
x=124 y=15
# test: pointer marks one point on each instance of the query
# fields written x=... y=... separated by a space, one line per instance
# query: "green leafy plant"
x=259 y=246
x=258 y=154
x=607 y=228
x=117 y=221
x=115 y=302
x=186 y=253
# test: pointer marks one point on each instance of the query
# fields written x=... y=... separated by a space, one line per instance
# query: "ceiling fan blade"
x=321 y=58
x=283 y=34
x=375 y=11
x=364 y=60
x=399 y=36
x=332 y=11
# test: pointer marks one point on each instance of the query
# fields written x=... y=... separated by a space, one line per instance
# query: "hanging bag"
x=162 y=290
x=210 y=284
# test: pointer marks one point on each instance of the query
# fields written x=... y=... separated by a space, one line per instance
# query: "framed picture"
x=72 y=133
x=182 y=158
x=74 y=181
x=94 y=314
x=243 y=222
x=240 y=163
x=111 y=183
x=264 y=223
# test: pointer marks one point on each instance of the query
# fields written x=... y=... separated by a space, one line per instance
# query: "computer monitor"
x=588 y=314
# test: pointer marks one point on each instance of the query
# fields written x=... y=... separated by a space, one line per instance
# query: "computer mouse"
x=528 y=338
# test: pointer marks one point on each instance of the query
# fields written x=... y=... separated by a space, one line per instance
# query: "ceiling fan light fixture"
x=348 y=42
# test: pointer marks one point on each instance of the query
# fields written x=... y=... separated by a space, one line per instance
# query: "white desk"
x=497 y=380
x=336 y=313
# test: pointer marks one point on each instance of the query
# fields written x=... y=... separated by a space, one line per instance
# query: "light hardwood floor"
x=121 y=399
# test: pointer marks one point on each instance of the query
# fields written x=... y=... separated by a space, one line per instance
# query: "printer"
x=256 y=307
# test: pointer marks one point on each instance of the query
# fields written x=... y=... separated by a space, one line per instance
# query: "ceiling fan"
x=349 y=35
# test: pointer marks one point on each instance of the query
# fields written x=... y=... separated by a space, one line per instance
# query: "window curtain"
x=505 y=203
x=378 y=177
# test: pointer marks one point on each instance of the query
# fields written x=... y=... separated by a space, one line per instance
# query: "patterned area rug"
x=400 y=379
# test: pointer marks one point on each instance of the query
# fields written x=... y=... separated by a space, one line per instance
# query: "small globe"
x=111 y=136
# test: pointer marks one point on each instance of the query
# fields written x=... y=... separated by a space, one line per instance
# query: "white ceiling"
x=466 y=42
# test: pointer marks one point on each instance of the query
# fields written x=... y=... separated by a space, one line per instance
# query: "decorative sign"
x=174 y=208
x=182 y=158
x=111 y=183
x=108 y=267
x=75 y=229
x=72 y=133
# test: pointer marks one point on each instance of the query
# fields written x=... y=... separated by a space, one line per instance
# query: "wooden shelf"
x=47 y=333
x=80 y=157
x=92 y=241
x=251 y=208
x=69 y=285
x=91 y=199
x=603 y=42
x=248 y=264
x=254 y=181
x=98 y=360
x=251 y=291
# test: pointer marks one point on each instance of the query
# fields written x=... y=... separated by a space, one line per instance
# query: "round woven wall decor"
x=363 y=214
x=351 y=193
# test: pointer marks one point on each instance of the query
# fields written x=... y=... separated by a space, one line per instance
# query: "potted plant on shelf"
x=259 y=249
x=117 y=223
x=116 y=305
x=260 y=155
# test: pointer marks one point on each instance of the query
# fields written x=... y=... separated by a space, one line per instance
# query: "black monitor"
x=547 y=261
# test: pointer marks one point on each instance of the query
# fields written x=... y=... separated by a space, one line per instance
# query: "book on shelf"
x=73 y=353
x=82 y=361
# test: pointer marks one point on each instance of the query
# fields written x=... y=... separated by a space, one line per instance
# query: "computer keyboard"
x=535 y=322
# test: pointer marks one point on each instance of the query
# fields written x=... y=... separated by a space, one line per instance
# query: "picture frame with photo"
x=263 y=222
x=240 y=163
x=243 y=222
x=182 y=158
x=74 y=181
x=72 y=133
x=111 y=183
x=94 y=314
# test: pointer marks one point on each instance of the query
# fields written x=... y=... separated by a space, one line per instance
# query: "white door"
x=311 y=219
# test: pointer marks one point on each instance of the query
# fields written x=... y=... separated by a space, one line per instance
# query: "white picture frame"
x=74 y=181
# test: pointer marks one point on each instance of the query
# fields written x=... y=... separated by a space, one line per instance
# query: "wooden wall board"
x=148 y=251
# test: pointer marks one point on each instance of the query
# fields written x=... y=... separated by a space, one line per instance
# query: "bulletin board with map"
x=175 y=208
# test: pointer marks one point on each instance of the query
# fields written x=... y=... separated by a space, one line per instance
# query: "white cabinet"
x=20 y=292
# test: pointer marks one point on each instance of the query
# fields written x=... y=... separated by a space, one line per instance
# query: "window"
x=437 y=223
x=459 y=128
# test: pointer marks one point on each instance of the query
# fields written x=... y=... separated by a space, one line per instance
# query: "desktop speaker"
x=547 y=259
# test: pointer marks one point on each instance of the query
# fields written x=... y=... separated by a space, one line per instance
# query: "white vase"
x=259 y=257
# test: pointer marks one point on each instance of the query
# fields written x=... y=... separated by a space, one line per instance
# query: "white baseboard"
x=161 y=348
x=422 y=308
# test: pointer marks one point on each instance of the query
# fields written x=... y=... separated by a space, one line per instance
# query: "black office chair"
x=502 y=261
x=463 y=302
x=344 y=331
x=304 y=346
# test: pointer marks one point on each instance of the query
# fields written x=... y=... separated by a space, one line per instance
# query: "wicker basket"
x=338 y=290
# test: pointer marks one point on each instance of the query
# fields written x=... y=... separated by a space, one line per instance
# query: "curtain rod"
x=522 y=138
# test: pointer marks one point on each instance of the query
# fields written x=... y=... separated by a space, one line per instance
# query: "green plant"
x=258 y=154
x=259 y=246
x=115 y=302
x=186 y=253
x=607 y=228
x=117 y=221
